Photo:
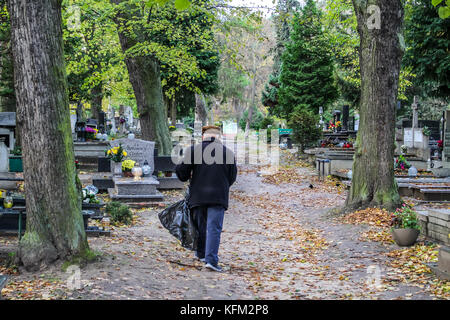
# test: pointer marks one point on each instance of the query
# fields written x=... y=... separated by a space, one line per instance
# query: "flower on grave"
x=440 y=145
x=338 y=124
x=127 y=165
x=116 y=154
x=401 y=163
x=172 y=128
x=90 y=194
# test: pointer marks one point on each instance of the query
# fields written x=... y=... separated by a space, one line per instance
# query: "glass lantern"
x=8 y=202
x=146 y=169
x=137 y=172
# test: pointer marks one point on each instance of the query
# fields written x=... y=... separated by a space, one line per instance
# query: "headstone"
x=197 y=129
x=356 y=121
x=7 y=127
x=7 y=119
x=345 y=116
x=104 y=164
x=446 y=151
x=129 y=116
x=138 y=150
x=4 y=157
x=73 y=120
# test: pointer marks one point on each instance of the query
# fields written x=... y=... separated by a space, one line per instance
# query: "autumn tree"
x=54 y=227
x=380 y=30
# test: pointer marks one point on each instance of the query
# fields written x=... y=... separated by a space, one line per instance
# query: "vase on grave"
x=127 y=174
x=116 y=168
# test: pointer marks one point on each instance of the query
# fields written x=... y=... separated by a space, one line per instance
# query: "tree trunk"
x=54 y=222
x=200 y=109
x=145 y=78
x=380 y=56
x=96 y=101
x=173 y=111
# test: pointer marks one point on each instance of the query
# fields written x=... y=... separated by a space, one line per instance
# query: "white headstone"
x=73 y=121
x=4 y=157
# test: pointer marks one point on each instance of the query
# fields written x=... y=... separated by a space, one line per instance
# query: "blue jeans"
x=209 y=222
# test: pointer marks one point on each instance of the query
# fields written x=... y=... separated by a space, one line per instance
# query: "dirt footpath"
x=279 y=242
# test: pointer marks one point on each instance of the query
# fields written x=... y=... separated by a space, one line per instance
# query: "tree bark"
x=200 y=109
x=173 y=111
x=96 y=101
x=145 y=78
x=380 y=57
x=54 y=222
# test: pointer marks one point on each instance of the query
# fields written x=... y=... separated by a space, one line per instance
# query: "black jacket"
x=211 y=176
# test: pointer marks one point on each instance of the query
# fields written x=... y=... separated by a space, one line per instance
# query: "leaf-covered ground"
x=280 y=241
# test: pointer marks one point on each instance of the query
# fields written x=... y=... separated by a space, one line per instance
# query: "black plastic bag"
x=179 y=221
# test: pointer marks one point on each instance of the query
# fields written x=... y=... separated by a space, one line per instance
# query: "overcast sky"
x=255 y=3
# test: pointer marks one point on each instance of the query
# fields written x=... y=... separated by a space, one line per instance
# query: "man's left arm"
x=184 y=169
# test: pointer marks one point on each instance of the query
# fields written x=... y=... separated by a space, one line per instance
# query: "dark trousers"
x=209 y=222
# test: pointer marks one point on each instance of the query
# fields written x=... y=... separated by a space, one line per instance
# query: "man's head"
x=209 y=132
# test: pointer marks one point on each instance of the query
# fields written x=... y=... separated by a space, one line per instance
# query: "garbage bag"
x=179 y=220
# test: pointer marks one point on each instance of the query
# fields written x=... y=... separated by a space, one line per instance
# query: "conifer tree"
x=306 y=79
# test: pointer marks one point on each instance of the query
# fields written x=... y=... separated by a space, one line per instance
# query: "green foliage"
x=94 y=62
x=405 y=218
x=304 y=125
x=266 y=122
x=257 y=119
x=307 y=72
x=340 y=27
x=7 y=92
x=200 y=23
x=119 y=213
x=444 y=9
x=17 y=151
x=428 y=40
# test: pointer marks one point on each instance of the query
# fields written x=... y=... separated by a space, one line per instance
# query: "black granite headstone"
x=104 y=164
x=345 y=116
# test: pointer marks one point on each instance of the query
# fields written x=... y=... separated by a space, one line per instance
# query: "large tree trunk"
x=96 y=101
x=380 y=56
x=54 y=222
x=145 y=77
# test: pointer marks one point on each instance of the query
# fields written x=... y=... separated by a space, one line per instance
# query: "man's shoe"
x=214 y=268
x=201 y=259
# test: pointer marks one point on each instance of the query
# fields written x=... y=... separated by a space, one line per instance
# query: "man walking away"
x=212 y=170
